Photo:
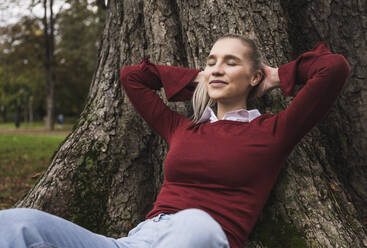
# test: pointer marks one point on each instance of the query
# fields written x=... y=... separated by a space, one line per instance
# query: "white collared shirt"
x=236 y=115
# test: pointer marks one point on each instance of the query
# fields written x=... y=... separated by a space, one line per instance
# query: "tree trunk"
x=4 y=114
x=49 y=36
x=108 y=172
x=30 y=109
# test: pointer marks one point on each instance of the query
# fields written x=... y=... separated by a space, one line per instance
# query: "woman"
x=222 y=164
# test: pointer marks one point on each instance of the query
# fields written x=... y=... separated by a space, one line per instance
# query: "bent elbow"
x=334 y=68
x=339 y=66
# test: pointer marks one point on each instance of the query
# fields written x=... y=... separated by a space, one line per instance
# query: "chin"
x=216 y=94
x=216 y=97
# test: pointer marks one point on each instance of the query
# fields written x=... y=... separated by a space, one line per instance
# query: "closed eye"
x=210 y=63
x=231 y=62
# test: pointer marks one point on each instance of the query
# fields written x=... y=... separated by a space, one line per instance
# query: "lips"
x=217 y=83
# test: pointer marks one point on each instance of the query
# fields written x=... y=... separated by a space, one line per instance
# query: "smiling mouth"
x=218 y=83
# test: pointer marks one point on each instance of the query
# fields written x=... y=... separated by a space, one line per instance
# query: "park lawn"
x=35 y=126
x=10 y=125
x=23 y=159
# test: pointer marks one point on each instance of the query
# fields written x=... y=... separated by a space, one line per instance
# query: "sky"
x=12 y=10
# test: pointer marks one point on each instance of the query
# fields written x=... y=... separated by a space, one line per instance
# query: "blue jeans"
x=30 y=228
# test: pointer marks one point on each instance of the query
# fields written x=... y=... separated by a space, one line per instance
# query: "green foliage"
x=22 y=73
x=21 y=67
x=80 y=28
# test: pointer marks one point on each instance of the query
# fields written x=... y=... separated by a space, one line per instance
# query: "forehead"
x=229 y=46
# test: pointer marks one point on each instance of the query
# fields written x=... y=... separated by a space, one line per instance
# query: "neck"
x=223 y=108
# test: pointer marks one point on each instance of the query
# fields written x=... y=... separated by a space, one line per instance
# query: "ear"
x=256 y=78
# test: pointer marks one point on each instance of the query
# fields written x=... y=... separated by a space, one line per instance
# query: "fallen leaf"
x=34 y=176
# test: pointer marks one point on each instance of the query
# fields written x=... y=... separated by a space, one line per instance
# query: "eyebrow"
x=226 y=57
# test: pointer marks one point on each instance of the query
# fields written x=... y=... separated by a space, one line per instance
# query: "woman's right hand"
x=200 y=77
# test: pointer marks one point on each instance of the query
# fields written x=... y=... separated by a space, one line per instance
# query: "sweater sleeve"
x=323 y=74
x=140 y=80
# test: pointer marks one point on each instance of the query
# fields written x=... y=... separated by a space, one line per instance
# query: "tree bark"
x=4 y=113
x=108 y=171
x=49 y=36
x=101 y=4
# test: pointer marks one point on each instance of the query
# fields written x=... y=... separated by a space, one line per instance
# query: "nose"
x=218 y=70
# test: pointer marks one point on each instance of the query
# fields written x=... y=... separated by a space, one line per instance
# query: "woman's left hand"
x=269 y=82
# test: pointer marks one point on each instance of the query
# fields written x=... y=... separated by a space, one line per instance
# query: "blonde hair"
x=201 y=99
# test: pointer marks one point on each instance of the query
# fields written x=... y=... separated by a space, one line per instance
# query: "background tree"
x=49 y=61
x=79 y=29
x=113 y=162
x=21 y=70
x=22 y=54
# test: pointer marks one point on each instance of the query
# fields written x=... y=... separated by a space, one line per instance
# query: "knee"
x=22 y=227
x=19 y=220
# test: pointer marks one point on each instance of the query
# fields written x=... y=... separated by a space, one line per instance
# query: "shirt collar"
x=242 y=115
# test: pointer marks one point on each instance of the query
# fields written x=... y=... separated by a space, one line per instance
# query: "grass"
x=34 y=126
x=25 y=154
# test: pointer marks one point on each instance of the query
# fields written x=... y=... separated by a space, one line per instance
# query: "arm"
x=323 y=75
x=139 y=81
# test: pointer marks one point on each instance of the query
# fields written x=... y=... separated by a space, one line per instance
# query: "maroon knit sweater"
x=227 y=168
